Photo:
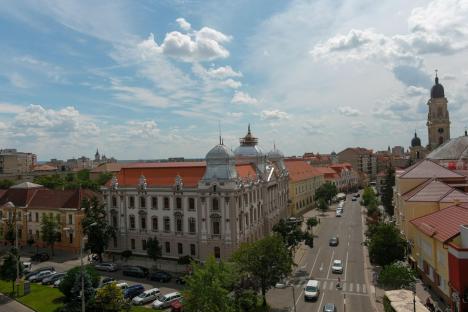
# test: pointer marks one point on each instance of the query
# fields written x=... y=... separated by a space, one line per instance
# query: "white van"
x=311 y=290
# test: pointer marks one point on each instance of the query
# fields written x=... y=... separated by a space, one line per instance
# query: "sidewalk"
x=9 y=305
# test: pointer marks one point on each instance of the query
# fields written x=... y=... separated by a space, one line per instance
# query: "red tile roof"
x=246 y=170
x=299 y=170
x=427 y=169
x=443 y=224
x=327 y=172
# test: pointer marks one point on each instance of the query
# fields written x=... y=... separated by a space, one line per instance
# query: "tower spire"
x=248 y=129
x=436 y=78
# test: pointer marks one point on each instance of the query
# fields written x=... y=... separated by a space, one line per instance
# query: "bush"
x=184 y=260
x=68 y=281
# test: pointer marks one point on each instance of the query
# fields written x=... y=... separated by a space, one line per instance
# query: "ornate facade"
x=198 y=208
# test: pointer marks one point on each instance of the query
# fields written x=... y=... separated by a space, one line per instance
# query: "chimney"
x=464 y=235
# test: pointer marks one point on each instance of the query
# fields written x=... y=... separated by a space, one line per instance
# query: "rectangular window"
x=70 y=219
x=154 y=223
x=132 y=243
x=132 y=222
x=154 y=202
x=168 y=247
x=115 y=242
x=114 y=220
x=70 y=238
x=143 y=223
x=166 y=203
x=180 y=248
x=37 y=234
x=216 y=228
x=142 y=202
x=167 y=224
x=179 y=225
x=191 y=204
x=29 y=217
x=37 y=216
x=114 y=201
x=131 y=202
x=143 y=244
x=192 y=225
x=192 y=249
x=179 y=203
x=436 y=279
x=425 y=267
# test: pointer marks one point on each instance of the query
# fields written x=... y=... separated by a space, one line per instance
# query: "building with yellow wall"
x=304 y=180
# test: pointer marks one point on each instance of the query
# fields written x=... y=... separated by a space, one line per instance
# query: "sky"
x=157 y=79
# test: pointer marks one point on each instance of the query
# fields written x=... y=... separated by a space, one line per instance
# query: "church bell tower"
x=438 y=121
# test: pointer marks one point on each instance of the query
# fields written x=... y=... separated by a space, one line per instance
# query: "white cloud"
x=234 y=84
x=348 y=111
x=143 y=129
x=223 y=72
x=273 y=115
x=8 y=108
x=243 y=98
x=183 y=23
x=201 y=45
x=138 y=95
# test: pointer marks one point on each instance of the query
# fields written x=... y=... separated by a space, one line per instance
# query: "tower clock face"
x=440 y=130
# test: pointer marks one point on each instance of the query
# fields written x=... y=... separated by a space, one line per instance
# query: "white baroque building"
x=198 y=208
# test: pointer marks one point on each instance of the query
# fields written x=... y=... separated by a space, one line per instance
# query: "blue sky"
x=153 y=79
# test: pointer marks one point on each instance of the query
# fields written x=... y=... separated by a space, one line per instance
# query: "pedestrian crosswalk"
x=348 y=287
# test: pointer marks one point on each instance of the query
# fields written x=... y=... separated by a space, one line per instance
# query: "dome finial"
x=248 y=129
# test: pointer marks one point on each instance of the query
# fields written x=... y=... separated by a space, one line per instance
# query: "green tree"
x=110 y=299
x=368 y=196
x=103 y=178
x=54 y=181
x=290 y=233
x=311 y=222
x=49 y=231
x=267 y=261
x=66 y=286
x=387 y=193
x=326 y=191
x=386 y=245
x=322 y=205
x=396 y=275
x=8 y=268
x=153 y=248
x=207 y=288
x=101 y=232
x=5 y=183
x=83 y=175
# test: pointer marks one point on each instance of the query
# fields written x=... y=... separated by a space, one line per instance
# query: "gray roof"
x=454 y=149
x=220 y=164
x=26 y=185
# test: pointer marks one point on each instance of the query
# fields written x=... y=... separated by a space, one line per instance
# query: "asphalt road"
x=316 y=264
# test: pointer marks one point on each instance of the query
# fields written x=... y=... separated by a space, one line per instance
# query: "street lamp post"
x=294 y=295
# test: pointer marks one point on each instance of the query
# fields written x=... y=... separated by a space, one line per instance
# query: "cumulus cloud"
x=273 y=115
x=243 y=98
x=183 y=23
x=143 y=129
x=234 y=84
x=223 y=72
x=201 y=45
x=348 y=111
x=8 y=108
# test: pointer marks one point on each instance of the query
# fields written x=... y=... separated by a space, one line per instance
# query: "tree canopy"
x=50 y=231
x=8 y=268
x=109 y=298
x=68 y=282
x=5 y=183
x=387 y=193
x=266 y=261
x=386 y=245
x=396 y=276
x=208 y=288
x=73 y=180
x=326 y=191
x=96 y=227
x=153 y=248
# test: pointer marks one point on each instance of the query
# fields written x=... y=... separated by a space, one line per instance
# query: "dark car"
x=161 y=276
x=354 y=199
x=52 y=278
x=107 y=280
x=182 y=279
x=333 y=241
x=48 y=268
x=134 y=271
x=40 y=257
x=133 y=291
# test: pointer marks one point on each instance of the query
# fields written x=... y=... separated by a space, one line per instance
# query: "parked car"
x=109 y=267
x=160 y=276
x=329 y=307
x=337 y=266
x=133 y=291
x=166 y=300
x=57 y=282
x=27 y=266
x=334 y=241
x=40 y=257
x=122 y=285
x=47 y=268
x=339 y=213
x=52 y=278
x=281 y=284
x=182 y=279
x=311 y=290
x=40 y=276
x=107 y=280
x=147 y=296
x=134 y=271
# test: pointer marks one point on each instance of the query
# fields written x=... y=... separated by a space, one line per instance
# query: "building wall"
x=301 y=194
x=458 y=272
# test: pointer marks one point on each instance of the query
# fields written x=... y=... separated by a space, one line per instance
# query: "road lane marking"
x=320 y=303
x=356 y=294
x=346 y=265
x=344 y=286
x=364 y=290
x=313 y=265
x=357 y=287
x=350 y=286
x=324 y=286
x=331 y=261
x=321 y=267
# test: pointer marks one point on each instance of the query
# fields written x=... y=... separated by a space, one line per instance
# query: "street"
x=316 y=264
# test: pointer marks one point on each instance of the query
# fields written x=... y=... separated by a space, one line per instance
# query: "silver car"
x=109 y=267
x=146 y=296
x=337 y=266
x=329 y=307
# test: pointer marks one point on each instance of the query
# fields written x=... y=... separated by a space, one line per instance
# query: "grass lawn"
x=41 y=298
x=141 y=309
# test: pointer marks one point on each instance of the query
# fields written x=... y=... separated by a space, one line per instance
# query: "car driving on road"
x=329 y=307
x=333 y=241
x=337 y=266
x=311 y=290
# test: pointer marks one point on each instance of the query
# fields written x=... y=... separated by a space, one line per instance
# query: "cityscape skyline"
x=144 y=81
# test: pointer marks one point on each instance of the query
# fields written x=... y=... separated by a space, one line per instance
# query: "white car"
x=339 y=213
x=27 y=267
x=147 y=296
x=166 y=300
x=281 y=284
x=122 y=285
x=311 y=290
x=337 y=266
x=57 y=282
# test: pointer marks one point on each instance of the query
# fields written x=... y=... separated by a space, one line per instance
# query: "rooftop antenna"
x=219 y=130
